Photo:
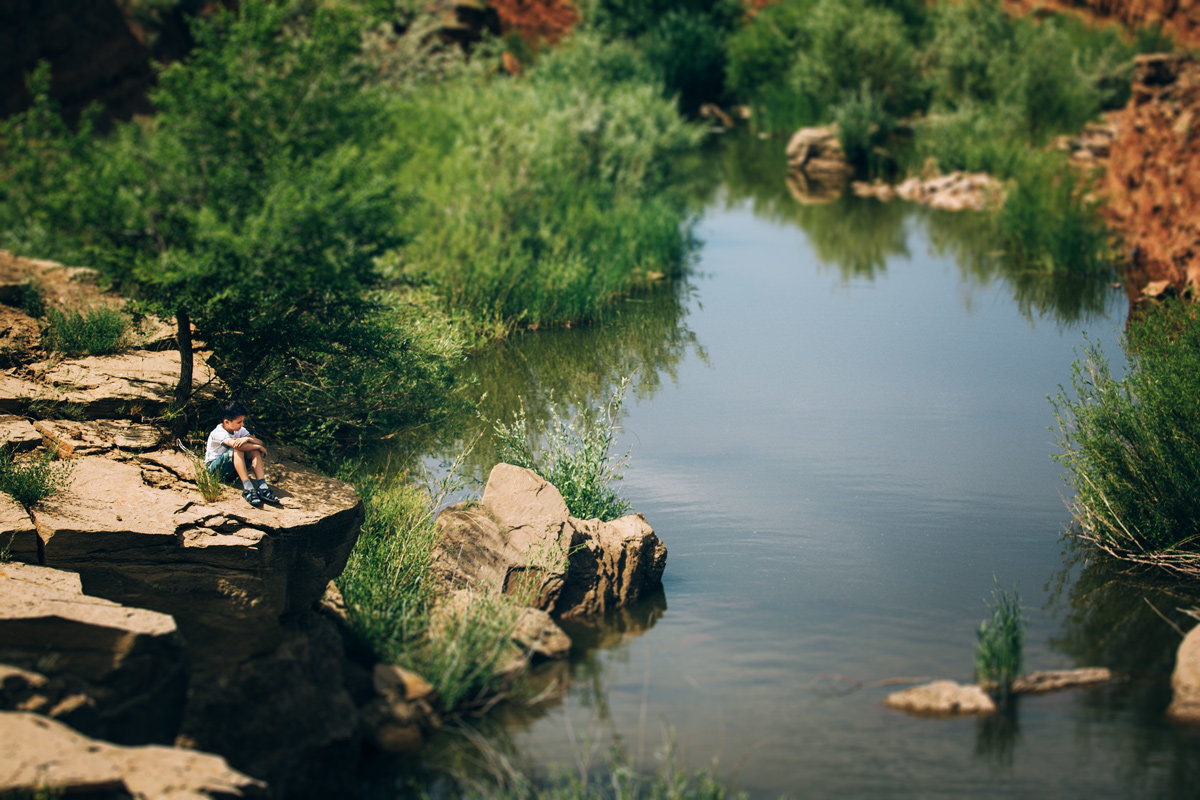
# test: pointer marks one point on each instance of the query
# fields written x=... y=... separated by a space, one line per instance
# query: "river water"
x=840 y=428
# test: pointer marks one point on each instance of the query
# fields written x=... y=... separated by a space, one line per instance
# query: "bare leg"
x=256 y=464
x=239 y=465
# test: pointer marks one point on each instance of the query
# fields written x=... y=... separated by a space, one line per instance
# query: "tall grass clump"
x=999 y=649
x=90 y=332
x=544 y=199
x=1131 y=445
x=574 y=455
x=32 y=479
x=390 y=602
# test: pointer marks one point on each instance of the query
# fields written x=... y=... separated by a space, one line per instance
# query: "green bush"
x=32 y=479
x=546 y=198
x=1131 y=445
x=1047 y=224
x=999 y=650
x=94 y=332
x=808 y=56
x=864 y=126
x=576 y=456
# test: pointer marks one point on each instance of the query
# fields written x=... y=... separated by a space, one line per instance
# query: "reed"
x=999 y=650
x=1131 y=444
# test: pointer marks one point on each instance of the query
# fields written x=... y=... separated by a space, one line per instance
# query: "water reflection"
x=484 y=754
x=1130 y=619
x=646 y=338
x=859 y=235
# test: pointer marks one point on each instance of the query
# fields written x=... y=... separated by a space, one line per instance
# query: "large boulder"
x=46 y=758
x=108 y=670
x=1185 y=681
x=521 y=540
x=818 y=151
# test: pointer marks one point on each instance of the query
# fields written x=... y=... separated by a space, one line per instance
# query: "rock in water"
x=520 y=539
x=942 y=698
x=1185 y=681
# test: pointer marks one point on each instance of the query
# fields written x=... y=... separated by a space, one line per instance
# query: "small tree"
x=252 y=206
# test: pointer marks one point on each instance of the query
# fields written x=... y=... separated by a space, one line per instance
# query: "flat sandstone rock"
x=942 y=698
x=41 y=755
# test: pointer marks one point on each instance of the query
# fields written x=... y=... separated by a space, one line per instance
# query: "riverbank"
x=219 y=623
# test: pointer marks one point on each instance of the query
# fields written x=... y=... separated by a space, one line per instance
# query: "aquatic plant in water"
x=999 y=651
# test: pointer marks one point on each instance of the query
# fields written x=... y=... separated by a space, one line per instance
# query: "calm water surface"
x=840 y=429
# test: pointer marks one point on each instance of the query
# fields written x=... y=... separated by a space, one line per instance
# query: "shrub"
x=864 y=126
x=576 y=456
x=30 y=298
x=1046 y=222
x=807 y=56
x=95 y=332
x=1132 y=445
x=545 y=198
x=999 y=651
x=33 y=479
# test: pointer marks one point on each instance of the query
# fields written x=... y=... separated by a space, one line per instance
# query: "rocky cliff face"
x=1179 y=18
x=1152 y=182
x=153 y=614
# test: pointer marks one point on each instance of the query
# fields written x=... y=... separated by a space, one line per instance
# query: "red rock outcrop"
x=1179 y=18
x=1152 y=183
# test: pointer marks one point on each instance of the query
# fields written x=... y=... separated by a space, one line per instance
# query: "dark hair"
x=232 y=410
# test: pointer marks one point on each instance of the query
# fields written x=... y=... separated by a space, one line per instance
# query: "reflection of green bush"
x=1132 y=445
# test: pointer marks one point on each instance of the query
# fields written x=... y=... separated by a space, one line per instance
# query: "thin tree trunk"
x=183 y=389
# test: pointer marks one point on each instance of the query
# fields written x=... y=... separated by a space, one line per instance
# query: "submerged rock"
x=1185 y=681
x=1059 y=679
x=942 y=698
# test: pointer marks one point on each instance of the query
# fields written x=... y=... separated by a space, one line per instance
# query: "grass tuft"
x=576 y=458
x=94 y=332
x=33 y=479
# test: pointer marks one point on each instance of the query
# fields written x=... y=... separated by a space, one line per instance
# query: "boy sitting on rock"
x=230 y=447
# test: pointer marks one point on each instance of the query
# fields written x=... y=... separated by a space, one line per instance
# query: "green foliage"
x=576 y=456
x=999 y=651
x=207 y=483
x=812 y=55
x=864 y=126
x=32 y=479
x=93 y=332
x=545 y=198
x=683 y=41
x=1132 y=445
x=254 y=201
x=1045 y=223
x=1053 y=75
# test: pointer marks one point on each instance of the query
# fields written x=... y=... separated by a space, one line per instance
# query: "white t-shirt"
x=216 y=439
